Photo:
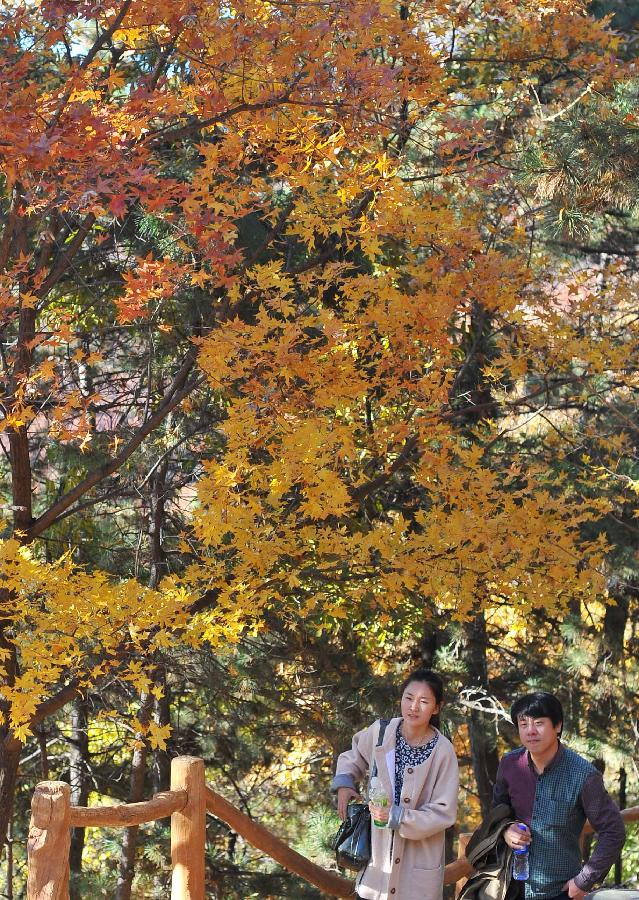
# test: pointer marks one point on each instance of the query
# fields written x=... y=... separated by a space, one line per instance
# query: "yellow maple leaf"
x=158 y=735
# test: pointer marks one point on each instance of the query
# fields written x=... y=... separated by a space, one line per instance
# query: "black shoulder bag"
x=352 y=844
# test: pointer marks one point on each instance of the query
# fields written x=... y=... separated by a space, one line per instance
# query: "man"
x=552 y=791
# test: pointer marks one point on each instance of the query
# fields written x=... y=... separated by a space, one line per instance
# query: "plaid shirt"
x=555 y=805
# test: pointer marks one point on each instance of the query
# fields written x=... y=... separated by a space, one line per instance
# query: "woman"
x=418 y=767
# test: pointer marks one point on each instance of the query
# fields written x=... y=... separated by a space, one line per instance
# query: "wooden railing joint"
x=160 y=806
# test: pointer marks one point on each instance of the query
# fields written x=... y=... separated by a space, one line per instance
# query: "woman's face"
x=419 y=704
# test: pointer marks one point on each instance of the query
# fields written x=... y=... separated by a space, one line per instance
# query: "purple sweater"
x=516 y=784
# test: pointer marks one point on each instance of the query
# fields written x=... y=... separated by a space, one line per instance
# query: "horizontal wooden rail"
x=257 y=835
x=126 y=814
x=326 y=880
x=631 y=814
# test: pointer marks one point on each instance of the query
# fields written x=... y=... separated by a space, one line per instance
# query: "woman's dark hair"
x=538 y=705
x=434 y=682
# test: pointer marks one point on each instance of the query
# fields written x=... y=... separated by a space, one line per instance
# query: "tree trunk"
x=78 y=778
x=427 y=647
x=482 y=728
x=573 y=710
x=44 y=752
x=161 y=758
x=9 y=890
x=156 y=503
x=21 y=504
x=10 y=750
x=136 y=794
x=616 y=619
x=471 y=394
x=622 y=805
x=19 y=448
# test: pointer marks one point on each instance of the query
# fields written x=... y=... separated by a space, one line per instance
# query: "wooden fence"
x=187 y=803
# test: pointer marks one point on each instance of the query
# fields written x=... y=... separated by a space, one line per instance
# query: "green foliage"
x=584 y=163
x=625 y=13
x=319 y=833
x=630 y=857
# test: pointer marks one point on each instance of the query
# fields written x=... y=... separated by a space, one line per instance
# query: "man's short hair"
x=538 y=705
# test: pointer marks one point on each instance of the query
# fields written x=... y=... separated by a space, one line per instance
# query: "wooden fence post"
x=48 y=843
x=463 y=839
x=188 y=830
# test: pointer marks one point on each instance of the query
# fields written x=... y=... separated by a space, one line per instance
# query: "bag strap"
x=383 y=724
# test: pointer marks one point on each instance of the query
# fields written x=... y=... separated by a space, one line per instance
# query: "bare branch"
x=98 y=44
x=52 y=704
x=63 y=262
x=181 y=387
x=168 y=132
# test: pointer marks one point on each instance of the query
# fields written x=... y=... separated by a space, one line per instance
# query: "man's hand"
x=516 y=837
x=379 y=813
x=574 y=892
x=344 y=796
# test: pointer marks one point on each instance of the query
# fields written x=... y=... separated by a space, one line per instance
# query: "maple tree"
x=282 y=220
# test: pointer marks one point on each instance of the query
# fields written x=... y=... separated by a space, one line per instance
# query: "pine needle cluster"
x=585 y=163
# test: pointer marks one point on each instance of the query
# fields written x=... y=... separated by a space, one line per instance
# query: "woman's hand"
x=517 y=837
x=379 y=813
x=344 y=796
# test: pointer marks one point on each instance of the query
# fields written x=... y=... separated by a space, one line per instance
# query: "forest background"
x=318 y=349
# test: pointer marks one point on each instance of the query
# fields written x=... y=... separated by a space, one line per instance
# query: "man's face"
x=538 y=734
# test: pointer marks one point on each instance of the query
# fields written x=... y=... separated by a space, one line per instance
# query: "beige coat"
x=406 y=863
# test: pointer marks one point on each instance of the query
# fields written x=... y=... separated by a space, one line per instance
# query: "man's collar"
x=553 y=762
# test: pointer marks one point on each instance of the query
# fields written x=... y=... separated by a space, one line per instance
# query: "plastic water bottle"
x=520 y=860
x=377 y=795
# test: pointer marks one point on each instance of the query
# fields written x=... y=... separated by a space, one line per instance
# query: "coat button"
x=410 y=771
x=397 y=861
x=406 y=799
